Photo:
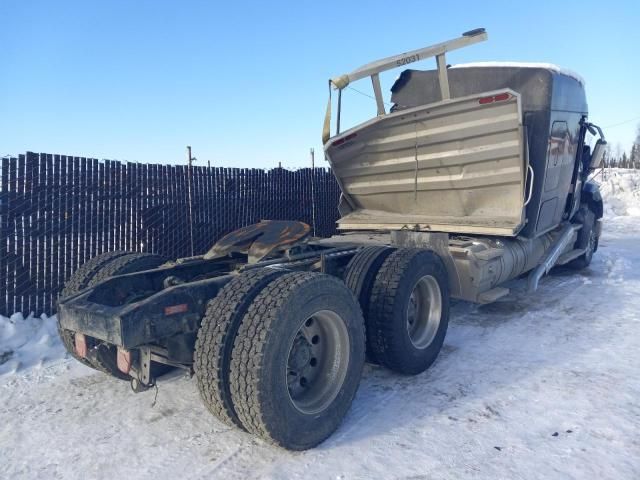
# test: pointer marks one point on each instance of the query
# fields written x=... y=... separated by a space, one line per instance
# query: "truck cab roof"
x=542 y=86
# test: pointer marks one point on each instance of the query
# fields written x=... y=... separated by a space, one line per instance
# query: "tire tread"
x=381 y=329
x=248 y=351
x=360 y=276
x=215 y=340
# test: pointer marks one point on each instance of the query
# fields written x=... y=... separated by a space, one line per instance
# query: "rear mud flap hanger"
x=373 y=70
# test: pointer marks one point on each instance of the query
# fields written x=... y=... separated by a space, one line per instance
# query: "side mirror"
x=598 y=154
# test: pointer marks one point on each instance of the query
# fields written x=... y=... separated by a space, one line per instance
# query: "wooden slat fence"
x=58 y=211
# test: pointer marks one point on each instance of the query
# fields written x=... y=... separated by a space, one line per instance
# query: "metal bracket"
x=377 y=90
x=565 y=237
x=141 y=374
x=145 y=365
x=443 y=76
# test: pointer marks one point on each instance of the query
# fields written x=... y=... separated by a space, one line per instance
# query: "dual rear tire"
x=280 y=354
x=284 y=359
x=405 y=296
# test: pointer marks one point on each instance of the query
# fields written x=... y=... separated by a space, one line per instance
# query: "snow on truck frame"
x=477 y=175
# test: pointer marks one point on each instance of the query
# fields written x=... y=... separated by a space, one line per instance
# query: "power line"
x=622 y=123
x=367 y=95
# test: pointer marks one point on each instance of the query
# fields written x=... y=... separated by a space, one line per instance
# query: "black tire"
x=359 y=277
x=129 y=263
x=78 y=282
x=87 y=271
x=387 y=324
x=218 y=330
x=588 y=239
x=97 y=269
x=261 y=359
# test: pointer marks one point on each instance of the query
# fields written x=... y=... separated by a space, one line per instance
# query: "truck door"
x=559 y=170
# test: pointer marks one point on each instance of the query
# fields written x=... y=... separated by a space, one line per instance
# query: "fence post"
x=190 y=197
x=313 y=191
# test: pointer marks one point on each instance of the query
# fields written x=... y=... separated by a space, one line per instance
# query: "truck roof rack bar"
x=373 y=70
x=438 y=51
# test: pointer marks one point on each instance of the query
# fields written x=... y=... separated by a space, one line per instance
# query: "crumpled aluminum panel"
x=453 y=166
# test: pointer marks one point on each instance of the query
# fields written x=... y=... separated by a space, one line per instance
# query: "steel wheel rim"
x=424 y=312
x=317 y=362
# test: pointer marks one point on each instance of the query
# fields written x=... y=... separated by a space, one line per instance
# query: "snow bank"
x=620 y=190
x=28 y=342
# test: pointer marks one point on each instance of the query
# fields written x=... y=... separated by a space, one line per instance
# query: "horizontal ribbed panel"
x=458 y=162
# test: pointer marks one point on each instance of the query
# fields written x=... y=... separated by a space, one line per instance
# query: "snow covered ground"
x=533 y=386
x=28 y=342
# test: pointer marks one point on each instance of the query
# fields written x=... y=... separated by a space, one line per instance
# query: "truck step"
x=492 y=295
x=566 y=235
x=572 y=255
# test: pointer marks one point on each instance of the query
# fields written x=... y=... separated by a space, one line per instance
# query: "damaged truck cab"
x=491 y=154
x=477 y=175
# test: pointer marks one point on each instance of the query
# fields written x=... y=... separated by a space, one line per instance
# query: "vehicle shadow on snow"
x=462 y=373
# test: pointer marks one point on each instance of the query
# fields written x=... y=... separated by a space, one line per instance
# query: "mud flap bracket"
x=141 y=375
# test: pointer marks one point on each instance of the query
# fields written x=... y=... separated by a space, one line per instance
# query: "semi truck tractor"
x=476 y=175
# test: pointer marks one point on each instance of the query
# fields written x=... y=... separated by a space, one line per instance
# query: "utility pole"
x=313 y=191
x=190 y=160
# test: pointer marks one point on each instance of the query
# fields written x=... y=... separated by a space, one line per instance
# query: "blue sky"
x=245 y=83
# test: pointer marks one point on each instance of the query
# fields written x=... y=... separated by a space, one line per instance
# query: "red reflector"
x=80 y=345
x=496 y=98
x=124 y=360
x=173 y=309
x=342 y=140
